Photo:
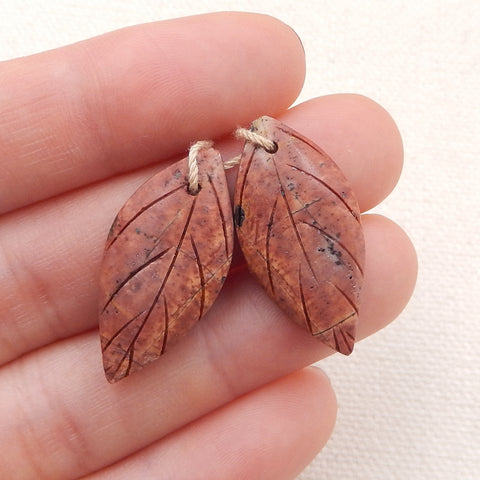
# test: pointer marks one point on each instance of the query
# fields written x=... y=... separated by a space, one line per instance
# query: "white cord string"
x=249 y=136
x=195 y=149
x=257 y=139
x=233 y=162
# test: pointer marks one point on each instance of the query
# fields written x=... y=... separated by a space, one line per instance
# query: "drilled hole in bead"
x=194 y=192
x=274 y=149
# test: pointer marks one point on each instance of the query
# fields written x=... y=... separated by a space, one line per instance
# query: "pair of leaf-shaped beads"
x=169 y=249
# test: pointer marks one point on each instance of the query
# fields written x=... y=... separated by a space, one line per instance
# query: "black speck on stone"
x=238 y=215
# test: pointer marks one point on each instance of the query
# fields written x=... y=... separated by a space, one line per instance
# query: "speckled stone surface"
x=298 y=224
x=166 y=258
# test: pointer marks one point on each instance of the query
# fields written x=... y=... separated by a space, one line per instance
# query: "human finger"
x=52 y=252
x=123 y=100
x=360 y=136
x=243 y=342
x=270 y=433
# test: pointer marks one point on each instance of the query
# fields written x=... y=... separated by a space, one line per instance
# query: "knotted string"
x=195 y=149
x=243 y=133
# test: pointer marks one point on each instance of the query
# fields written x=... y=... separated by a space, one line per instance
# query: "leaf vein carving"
x=157 y=296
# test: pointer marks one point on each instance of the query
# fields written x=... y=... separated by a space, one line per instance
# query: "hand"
x=80 y=128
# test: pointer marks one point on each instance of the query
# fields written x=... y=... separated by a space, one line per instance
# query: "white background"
x=409 y=397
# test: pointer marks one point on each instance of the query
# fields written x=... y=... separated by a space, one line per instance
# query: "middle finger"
x=60 y=413
x=52 y=251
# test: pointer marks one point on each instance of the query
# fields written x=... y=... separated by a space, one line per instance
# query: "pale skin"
x=81 y=128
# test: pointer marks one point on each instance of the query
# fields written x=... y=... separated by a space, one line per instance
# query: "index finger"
x=82 y=113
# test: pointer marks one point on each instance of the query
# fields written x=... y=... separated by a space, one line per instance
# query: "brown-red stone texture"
x=298 y=224
x=166 y=258
x=168 y=251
